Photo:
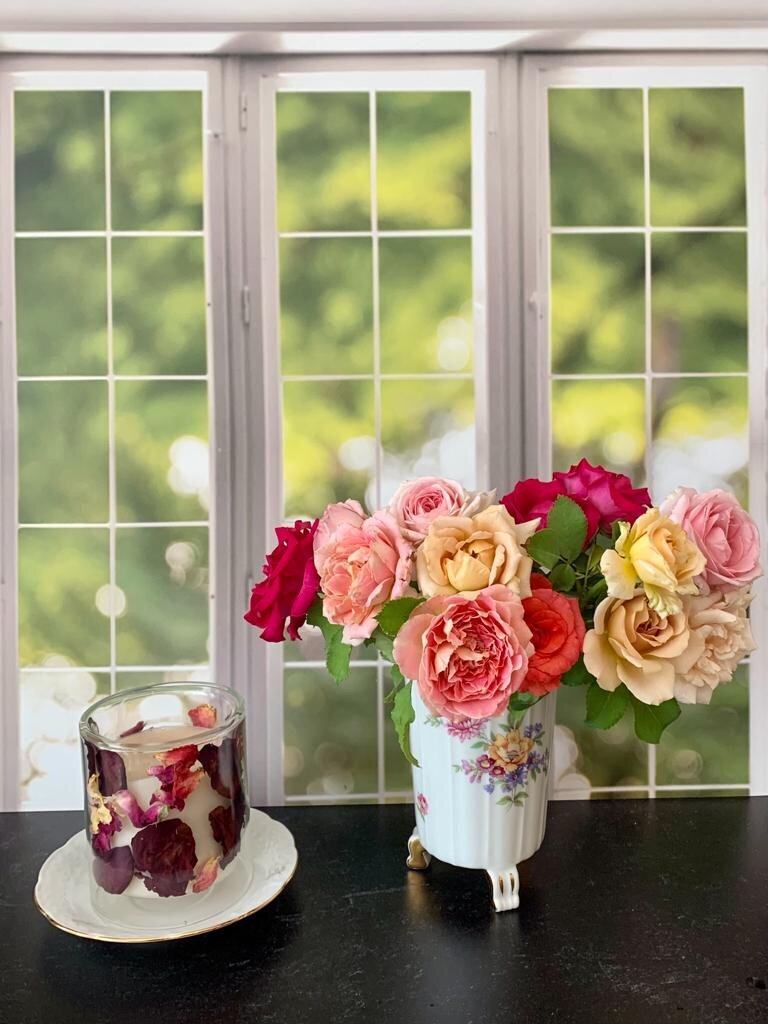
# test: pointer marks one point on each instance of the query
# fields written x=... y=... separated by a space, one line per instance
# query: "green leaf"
x=577 y=675
x=562 y=578
x=402 y=715
x=398 y=680
x=522 y=701
x=394 y=614
x=337 y=655
x=603 y=541
x=315 y=617
x=569 y=525
x=605 y=707
x=383 y=644
x=652 y=720
x=543 y=548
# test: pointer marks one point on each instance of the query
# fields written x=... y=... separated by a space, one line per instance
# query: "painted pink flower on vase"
x=417 y=503
x=282 y=599
x=363 y=562
x=468 y=655
x=724 y=533
x=422 y=805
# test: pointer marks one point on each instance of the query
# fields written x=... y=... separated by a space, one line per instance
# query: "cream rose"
x=632 y=643
x=720 y=638
x=464 y=554
x=656 y=553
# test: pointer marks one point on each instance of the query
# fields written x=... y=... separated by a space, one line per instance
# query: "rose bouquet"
x=486 y=606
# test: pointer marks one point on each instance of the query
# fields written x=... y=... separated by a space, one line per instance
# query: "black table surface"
x=647 y=911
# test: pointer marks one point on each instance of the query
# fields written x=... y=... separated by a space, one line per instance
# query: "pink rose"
x=289 y=586
x=603 y=497
x=722 y=531
x=416 y=503
x=363 y=562
x=468 y=655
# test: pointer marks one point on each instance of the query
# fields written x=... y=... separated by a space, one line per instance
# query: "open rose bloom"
x=488 y=605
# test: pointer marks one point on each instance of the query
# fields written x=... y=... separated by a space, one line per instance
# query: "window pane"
x=699 y=302
x=425 y=304
x=709 y=744
x=161 y=436
x=587 y=757
x=326 y=302
x=163 y=575
x=598 y=303
x=596 y=156
x=330 y=733
x=158 y=292
x=427 y=428
x=66 y=333
x=700 y=434
x=424 y=160
x=132 y=680
x=157 y=161
x=59 y=161
x=324 y=162
x=50 y=707
x=311 y=647
x=329 y=446
x=697 y=157
x=602 y=421
x=63 y=452
x=60 y=575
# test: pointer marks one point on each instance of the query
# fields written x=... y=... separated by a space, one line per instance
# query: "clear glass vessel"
x=166 y=796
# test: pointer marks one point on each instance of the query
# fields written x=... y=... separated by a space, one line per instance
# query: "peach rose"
x=724 y=533
x=464 y=554
x=720 y=638
x=656 y=553
x=632 y=643
x=417 y=503
x=363 y=562
x=467 y=655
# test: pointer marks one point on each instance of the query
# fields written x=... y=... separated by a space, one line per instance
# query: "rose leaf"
x=577 y=675
x=394 y=614
x=652 y=720
x=569 y=524
x=543 y=548
x=605 y=707
x=562 y=578
x=402 y=715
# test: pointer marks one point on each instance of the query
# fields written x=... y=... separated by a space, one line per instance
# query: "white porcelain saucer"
x=64 y=893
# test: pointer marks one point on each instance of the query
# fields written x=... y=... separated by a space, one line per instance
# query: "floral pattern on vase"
x=511 y=759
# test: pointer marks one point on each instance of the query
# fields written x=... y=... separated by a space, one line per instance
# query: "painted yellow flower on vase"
x=510 y=749
x=658 y=555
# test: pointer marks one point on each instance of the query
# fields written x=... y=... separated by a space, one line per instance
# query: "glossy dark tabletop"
x=632 y=911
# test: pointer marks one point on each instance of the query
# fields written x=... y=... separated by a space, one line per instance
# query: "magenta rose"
x=724 y=533
x=604 y=497
x=417 y=503
x=467 y=655
x=289 y=586
x=363 y=562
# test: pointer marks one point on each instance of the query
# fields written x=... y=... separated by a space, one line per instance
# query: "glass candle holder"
x=166 y=792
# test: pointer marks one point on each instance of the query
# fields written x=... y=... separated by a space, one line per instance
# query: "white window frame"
x=749 y=72
x=100 y=73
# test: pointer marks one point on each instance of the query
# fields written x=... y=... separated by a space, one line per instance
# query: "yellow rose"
x=464 y=554
x=510 y=749
x=632 y=643
x=658 y=554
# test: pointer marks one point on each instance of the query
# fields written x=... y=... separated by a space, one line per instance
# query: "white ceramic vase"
x=481 y=792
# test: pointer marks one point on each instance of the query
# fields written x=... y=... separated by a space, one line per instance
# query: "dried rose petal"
x=206 y=876
x=203 y=715
x=113 y=871
x=177 y=780
x=127 y=804
x=227 y=826
x=108 y=765
x=133 y=730
x=103 y=822
x=164 y=856
x=224 y=764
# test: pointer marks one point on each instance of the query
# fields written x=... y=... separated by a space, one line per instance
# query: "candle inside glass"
x=166 y=800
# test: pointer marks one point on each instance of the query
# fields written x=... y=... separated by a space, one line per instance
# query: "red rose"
x=602 y=496
x=289 y=586
x=558 y=632
x=611 y=495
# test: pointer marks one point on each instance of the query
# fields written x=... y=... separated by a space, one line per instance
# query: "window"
x=646 y=243
x=378 y=337
x=112 y=413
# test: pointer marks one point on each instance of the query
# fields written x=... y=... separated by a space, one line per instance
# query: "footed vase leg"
x=506 y=889
x=418 y=859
